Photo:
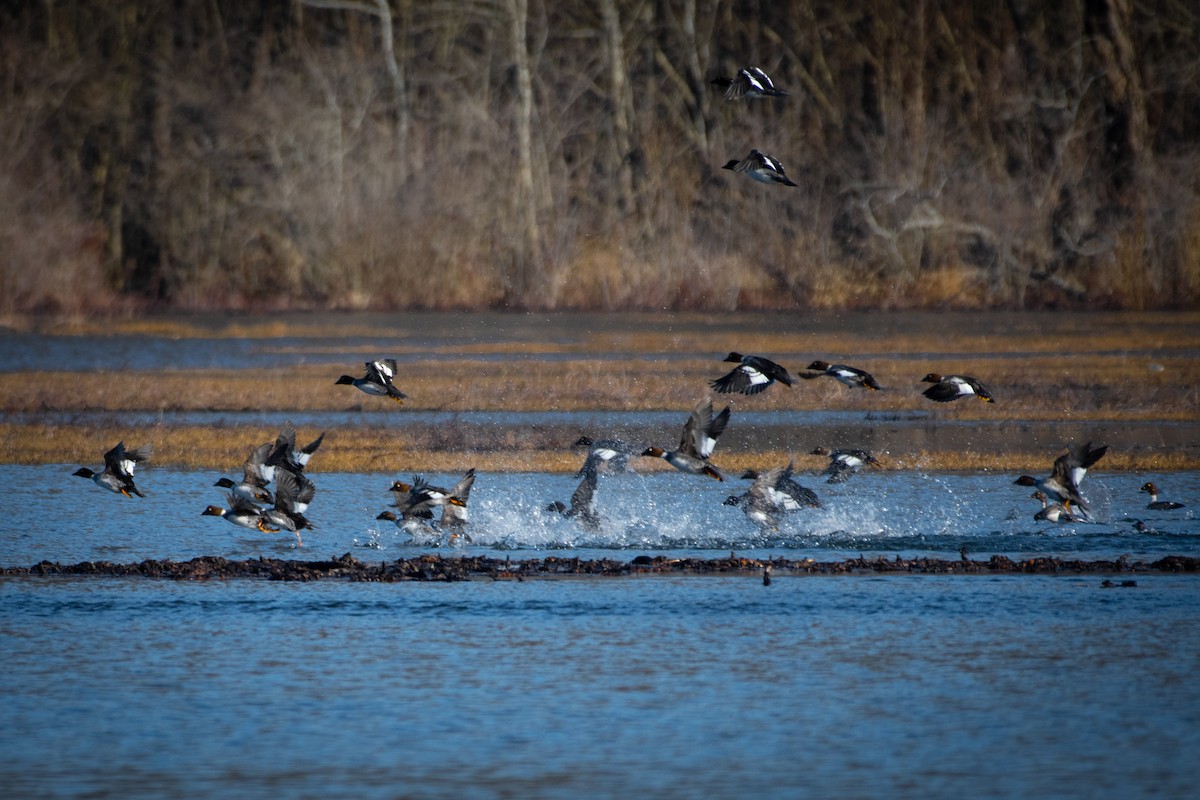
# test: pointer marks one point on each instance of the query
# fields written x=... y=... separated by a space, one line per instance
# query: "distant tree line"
x=203 y=154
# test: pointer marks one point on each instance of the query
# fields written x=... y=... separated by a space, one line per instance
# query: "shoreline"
x=437 y=568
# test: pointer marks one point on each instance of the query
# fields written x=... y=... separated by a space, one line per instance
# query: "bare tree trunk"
x=387 y=40
x=622 y=104
x=529 y=255
x=113 y=139
x=1109 y=23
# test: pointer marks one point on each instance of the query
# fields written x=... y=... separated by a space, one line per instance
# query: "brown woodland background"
x=206 y=154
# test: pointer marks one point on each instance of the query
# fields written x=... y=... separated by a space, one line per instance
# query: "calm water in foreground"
x=898 y=686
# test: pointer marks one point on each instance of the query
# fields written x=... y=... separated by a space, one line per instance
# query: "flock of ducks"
x=754 y=84
x=773 y=493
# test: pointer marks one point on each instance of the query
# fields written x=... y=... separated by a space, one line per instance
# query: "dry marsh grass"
x=1042 y=368
x=1041 y=387
x=386 y=451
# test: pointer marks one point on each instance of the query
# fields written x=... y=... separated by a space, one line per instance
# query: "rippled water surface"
x=924 y=686
x=898 y=686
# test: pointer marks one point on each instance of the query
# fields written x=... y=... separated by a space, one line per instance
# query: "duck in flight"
x=377 y=380
x=699 y=439
x=253 y=487
x=119 y=465
x=761 y=167
x=752 y=375
x=749 y=82
x=947 y=388
x=850 y=376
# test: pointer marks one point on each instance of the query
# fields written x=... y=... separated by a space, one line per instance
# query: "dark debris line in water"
x=439 y=568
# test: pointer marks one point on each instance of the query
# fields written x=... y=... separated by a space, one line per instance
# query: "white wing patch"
x=755 y=376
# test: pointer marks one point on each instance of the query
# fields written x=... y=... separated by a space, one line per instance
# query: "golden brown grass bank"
x=388 y=451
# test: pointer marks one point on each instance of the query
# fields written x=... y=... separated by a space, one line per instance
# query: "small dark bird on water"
x=1155 y=503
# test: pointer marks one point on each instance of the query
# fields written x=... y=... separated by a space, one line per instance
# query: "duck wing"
x=701 y=431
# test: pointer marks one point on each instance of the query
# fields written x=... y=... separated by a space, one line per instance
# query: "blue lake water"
x=895 y=686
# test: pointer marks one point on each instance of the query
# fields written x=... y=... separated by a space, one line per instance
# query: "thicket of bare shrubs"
x=517 y=153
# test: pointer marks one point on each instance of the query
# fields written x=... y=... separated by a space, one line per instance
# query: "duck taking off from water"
x=1051 y=512
x=242 y=513
x=583 y=506
x=1062 y=486
x=253 y=487
x=844 y=463
x=699 y=439
x=119 y=465
x=609 y=455
x=773 y=494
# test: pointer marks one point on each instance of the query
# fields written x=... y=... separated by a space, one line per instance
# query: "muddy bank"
x=439 y=568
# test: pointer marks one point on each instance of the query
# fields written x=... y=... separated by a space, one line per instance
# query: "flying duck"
x=850 y=376
x=293 y=493
x=752 y=375
x=1155 y=503
x=119 y=464
x=947 y=388
x=377 y=380
x=254 y=481
x=749 y=82
x=1068 y=472
x=761 y=167
x=284 y=453
x=699 y=439
x=844 y=463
